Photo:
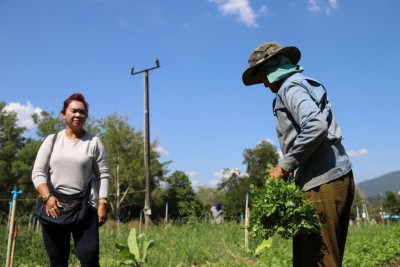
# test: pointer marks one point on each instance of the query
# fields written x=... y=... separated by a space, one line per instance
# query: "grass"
x=203 y=244
x=197 y=244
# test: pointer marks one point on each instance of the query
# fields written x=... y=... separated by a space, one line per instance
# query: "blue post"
x=140 y=221
x=16 y=193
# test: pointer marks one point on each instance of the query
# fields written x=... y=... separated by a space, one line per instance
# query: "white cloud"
x=334 y=4
x=357 y=153
x=226 y=173
x=195 y=184
x=267 y=140
x=162 y=151
x=190 y=173
x=24 y=113
x=322 y=5
x=313 y=6
x=214 y=182
x=241 y=9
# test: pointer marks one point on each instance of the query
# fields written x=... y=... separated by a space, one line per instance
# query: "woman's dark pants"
x=86 y=240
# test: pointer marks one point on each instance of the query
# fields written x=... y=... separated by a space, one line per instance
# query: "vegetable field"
x=204 y=244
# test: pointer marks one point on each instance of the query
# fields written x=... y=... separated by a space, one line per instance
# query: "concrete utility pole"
x=147 y=202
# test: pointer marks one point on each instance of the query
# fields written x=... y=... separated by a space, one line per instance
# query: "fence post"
x=246 y=222
x=166 y=212
x=15 y=193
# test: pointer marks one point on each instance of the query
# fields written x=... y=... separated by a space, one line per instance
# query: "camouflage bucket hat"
x=265 y=52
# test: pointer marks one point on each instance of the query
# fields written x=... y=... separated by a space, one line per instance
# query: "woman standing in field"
x=71 y=158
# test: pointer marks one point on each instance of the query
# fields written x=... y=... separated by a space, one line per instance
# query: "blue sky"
x=200 y=111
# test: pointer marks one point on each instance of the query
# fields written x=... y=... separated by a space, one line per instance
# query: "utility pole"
x=147 y=202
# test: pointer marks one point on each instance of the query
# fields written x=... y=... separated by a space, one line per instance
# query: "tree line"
x=124 y=146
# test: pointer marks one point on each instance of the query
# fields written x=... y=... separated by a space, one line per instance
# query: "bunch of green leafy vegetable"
x=280 y=207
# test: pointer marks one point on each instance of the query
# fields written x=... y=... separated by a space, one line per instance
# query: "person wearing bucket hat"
x=311 y=142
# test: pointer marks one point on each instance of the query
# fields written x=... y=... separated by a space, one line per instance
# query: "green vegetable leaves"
x=280 y=207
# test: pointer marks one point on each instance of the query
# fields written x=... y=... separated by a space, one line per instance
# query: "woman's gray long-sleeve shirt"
x=72 y=164
x=308 y=132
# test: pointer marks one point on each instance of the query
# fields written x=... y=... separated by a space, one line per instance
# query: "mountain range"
x=380 y=185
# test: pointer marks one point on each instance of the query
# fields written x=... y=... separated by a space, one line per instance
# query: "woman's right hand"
x=52 y=207
x=278 y=173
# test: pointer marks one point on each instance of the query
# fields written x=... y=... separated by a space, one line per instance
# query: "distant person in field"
x=217 y=213
x=311 y=143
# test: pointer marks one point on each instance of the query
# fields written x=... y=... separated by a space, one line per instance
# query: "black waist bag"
x=74 y=208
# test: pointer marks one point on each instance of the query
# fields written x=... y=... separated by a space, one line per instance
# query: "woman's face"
x=75 y=115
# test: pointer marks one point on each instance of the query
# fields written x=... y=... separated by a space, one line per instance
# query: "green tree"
x=124 y=148
x=92 y=126
x=391 y=204
x=158 y=203
x=120 y=141
x=257 y=159
x=234 y=187
x=208 y=196
x=22 y=168
x=47 y=124
x=182 y=200
x=11 y=141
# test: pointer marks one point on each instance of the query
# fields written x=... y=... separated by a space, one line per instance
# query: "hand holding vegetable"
x=278 y=172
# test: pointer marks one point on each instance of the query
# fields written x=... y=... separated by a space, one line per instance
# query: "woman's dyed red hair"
x=75 y=97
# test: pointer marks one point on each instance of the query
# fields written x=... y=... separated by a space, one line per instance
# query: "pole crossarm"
x=156 y=67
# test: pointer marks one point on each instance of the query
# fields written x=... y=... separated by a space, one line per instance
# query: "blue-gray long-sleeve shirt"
x=309 y=136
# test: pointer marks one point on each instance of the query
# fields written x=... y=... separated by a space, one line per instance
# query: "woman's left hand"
x=102 y=213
